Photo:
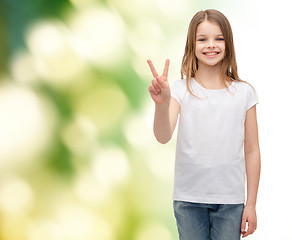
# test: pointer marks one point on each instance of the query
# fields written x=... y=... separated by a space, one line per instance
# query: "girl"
x=217 y=140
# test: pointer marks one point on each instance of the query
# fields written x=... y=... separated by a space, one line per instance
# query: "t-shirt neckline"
x=212 y=90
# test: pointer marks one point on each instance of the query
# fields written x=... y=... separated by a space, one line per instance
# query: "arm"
x=165 y=119
x=253 y=167
x=166 y=107
x=252 y=156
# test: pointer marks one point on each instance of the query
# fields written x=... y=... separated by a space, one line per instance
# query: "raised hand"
x=159 y=89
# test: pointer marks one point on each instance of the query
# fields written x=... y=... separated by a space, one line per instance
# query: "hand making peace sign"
x=159 y=89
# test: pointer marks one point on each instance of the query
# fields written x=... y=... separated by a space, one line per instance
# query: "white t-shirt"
x=210 y=162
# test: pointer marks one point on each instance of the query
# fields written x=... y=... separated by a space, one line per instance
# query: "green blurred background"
x=78 y=158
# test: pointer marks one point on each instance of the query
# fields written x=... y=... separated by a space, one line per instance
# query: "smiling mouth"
x=211 y=53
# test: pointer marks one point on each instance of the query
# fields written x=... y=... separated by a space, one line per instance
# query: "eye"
x=201 y=39
x=220 y=39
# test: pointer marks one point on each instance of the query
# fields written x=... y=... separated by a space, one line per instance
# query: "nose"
x=211 y=44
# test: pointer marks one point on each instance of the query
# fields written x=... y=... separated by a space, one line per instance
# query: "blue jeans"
x=202 y=221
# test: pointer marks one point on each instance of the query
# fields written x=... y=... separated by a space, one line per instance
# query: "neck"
x=210 y=75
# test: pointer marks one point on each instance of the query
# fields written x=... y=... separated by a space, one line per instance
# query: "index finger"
x=153 y=70
x=165 y=71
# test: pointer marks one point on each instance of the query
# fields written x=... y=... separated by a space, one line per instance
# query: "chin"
x=211 y=64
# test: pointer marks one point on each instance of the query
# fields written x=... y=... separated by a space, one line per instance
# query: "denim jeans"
x=202 y=221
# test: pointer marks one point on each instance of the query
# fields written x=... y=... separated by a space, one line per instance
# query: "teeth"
x=211 y=53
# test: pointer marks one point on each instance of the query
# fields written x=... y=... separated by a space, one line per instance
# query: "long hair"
x=190 y=66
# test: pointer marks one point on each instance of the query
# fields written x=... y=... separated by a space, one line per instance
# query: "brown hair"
x=190 y=63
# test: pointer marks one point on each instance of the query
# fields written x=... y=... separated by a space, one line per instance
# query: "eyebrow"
x=203 y=35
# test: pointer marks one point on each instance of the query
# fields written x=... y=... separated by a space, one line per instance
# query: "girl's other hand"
x=159 y=89
x=249 y=216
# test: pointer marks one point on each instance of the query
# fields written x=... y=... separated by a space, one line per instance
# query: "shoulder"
x=243 y=85
x=178 y=89
x=248 y=92
x=180 y=82
x=179 y=85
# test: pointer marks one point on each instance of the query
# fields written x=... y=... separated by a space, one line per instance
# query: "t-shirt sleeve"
x=252 y=98
x=178 y=90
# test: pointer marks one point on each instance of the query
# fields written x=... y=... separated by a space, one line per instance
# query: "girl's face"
x=210 y=44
